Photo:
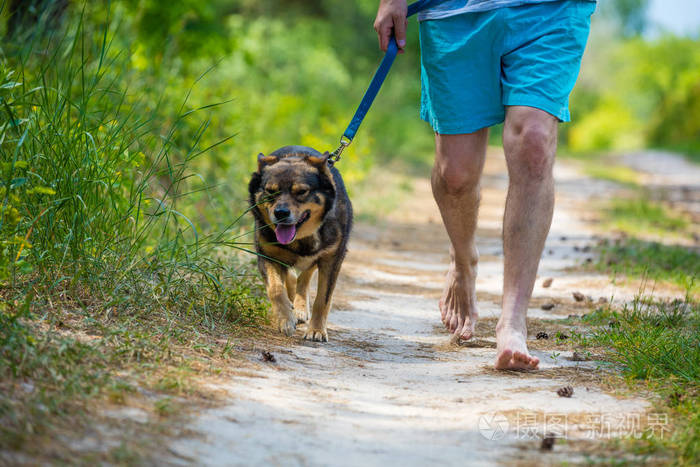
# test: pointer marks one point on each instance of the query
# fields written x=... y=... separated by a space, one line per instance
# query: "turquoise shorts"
x=473 y=65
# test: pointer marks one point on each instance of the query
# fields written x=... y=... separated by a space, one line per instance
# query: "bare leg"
x=529 y=141
x=459 y=161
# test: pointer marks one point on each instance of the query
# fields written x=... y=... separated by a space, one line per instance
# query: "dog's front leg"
x=328 y=269
x=301 y=299
x=283 y=316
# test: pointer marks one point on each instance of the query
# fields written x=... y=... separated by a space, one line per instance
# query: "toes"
x=287 y=326
x=454 y=323
x=526 y=360
x=316 y=335
x=302 y=316
x=467 y=331
x=504 y=359
x=508 y=360
x=521 y=357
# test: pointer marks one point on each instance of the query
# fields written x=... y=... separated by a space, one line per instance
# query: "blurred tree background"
x=292 y=72
x=253 y=75
x=635 y=91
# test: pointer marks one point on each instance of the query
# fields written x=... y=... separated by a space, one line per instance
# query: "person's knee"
x=459 y=160
x=456 y=176
x=530 y=146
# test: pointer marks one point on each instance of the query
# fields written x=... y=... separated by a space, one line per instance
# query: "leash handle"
x=376 y=83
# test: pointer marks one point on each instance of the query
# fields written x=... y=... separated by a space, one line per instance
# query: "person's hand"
x=391 y=19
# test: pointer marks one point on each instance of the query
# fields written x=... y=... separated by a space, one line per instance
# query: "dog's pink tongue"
x=285 y=233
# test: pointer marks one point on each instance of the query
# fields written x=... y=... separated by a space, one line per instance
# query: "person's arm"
x=391 y=19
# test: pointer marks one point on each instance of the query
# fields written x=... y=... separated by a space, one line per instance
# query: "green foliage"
x=652 y=340
x=187 y=26
x=637 y=92
x=100 y=198
x=677 y=264
x=658 y=343
x=615 y=173
x=642 y=215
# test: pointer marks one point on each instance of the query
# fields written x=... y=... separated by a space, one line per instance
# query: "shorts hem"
x=561 y=112
x=461 y=127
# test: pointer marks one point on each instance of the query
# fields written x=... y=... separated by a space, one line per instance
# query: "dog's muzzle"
x=286 y=229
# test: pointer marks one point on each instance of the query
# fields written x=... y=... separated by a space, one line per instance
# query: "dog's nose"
x=281 y=213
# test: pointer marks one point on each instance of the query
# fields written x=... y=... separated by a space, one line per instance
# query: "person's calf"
x=459 y=162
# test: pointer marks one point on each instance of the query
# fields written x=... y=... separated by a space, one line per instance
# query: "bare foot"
x=512 y=350
x=458 y=304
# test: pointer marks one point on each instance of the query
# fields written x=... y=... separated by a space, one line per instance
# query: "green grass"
x=658 y=344
x=602 y=166
x=641 y=215
x=679 y=265
x=612 y=173
x=110 y=277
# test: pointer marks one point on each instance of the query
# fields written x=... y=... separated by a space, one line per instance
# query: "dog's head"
x=292 y=191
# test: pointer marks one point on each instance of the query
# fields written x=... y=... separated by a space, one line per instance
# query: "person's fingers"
x=377 y=28
x=383 y=33
x=400 y=23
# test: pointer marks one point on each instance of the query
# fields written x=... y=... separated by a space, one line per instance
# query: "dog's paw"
x=316 y=335
x=287 y=325
x=302 y=315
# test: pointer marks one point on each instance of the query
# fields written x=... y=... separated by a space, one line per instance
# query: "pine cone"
x=566 y=391
x=268 y=357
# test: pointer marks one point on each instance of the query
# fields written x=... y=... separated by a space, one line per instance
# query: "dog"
x=303 y=218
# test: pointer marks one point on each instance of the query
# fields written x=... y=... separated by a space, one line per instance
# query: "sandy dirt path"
x=390 y=389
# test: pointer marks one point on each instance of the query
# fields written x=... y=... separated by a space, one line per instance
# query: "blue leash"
x=376 y=83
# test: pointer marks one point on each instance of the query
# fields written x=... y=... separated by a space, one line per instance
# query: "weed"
x=107 y=282
x=653 y=260
x=658 y=343
x=642 y=215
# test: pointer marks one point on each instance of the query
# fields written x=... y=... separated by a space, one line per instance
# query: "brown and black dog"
x=303 y=218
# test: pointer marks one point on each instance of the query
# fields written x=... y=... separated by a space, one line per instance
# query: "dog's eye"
x=301 y=193
x=269 y=192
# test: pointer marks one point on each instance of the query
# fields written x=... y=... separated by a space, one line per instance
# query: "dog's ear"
x=264 y=161
x=319 y=161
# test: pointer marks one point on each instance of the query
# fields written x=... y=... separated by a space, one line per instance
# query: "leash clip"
x=335 y=155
